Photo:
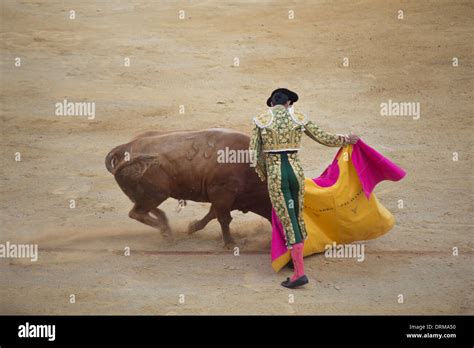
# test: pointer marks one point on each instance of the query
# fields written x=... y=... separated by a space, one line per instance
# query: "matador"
x=275 y=143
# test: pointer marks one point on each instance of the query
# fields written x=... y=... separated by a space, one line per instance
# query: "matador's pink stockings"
x=297 y=255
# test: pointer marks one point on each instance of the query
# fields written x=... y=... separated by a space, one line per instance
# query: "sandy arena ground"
x=190 y=62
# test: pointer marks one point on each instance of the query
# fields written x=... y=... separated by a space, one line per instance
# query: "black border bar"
x=209 y=330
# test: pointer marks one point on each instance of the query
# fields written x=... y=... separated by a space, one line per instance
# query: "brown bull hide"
x=184 y=165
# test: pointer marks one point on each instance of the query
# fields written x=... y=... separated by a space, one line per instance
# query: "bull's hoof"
x=167 y=235
x=193 y=227
x=230 y=243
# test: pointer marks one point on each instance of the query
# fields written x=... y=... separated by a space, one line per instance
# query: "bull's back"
x=206 y=156
x=193 y=163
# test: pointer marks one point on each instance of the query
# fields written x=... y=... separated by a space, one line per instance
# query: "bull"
x=185 y=165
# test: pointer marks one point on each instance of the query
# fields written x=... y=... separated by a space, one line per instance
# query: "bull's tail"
x=114 y=161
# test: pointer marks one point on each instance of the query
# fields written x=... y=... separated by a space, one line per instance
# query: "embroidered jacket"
x=280 y=129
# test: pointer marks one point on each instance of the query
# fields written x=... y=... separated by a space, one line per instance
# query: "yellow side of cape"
x=340 y=213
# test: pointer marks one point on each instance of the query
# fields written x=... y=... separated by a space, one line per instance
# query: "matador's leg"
x=298 y=190
x=277 y=197
x=290 y=189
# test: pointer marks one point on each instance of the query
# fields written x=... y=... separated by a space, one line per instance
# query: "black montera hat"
x=291 y=95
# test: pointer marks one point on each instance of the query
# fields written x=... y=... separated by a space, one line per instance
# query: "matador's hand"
x=352 y=138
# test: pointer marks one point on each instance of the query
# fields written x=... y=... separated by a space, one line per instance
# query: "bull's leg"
x=163 y=220
x=140 y=214
x=224 y=218
x=198 y=225
x=141 y=210
x=222 y=198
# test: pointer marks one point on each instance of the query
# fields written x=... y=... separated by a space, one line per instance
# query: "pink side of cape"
x=372 y=167
x=278 y=239
x=330 y=174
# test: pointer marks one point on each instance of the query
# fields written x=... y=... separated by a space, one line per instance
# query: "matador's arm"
x=325 y=138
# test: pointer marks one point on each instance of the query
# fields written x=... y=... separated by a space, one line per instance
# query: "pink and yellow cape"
x=339 y=205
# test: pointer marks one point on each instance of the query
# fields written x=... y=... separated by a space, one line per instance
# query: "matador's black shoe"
x=295 y=283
